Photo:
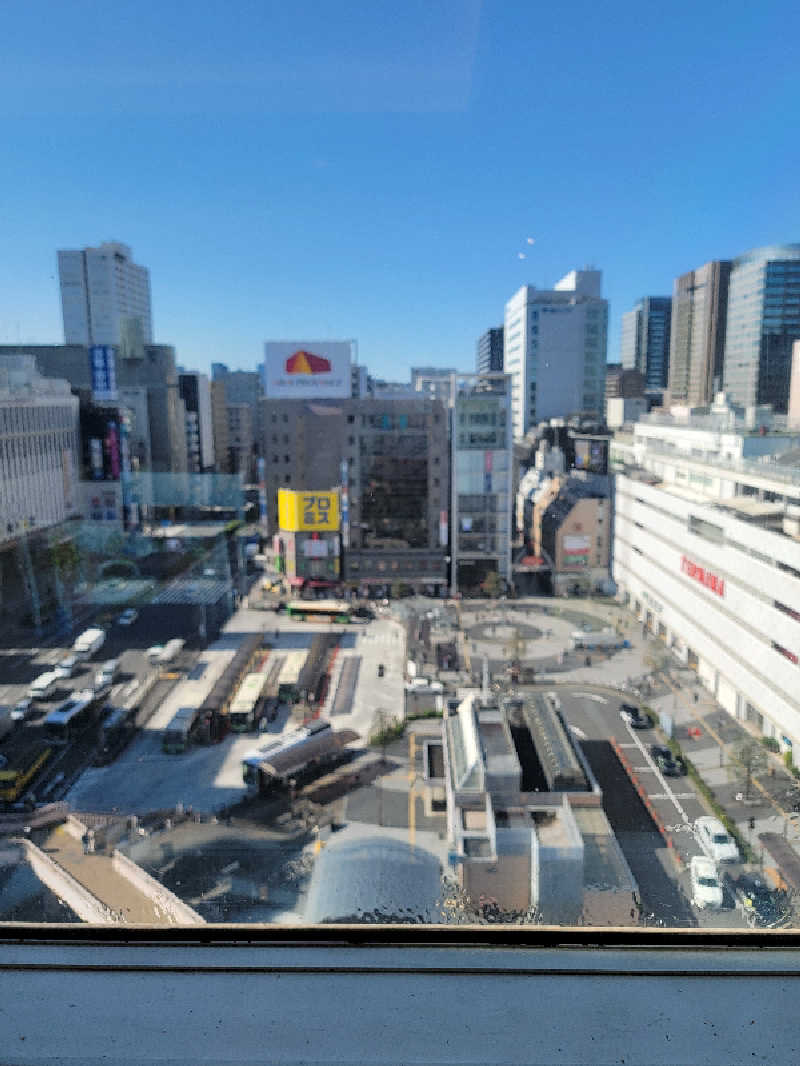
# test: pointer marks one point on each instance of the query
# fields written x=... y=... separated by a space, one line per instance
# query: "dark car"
x=634 y=717
x=665 y=760
x=280 y=606
x=760 y=906
x=365 y=613
x=380 y=670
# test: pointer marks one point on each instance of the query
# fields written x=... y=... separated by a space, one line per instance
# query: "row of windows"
x=36 y=419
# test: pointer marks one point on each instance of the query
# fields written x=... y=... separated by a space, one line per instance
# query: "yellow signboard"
x=308 y=512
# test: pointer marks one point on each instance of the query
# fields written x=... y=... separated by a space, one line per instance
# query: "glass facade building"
x=481 y=481
x=644 y=341
x=763 y=322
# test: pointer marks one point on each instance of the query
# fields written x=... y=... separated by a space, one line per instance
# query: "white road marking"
x=579 y=733
x=591 y=696
x=668 y=791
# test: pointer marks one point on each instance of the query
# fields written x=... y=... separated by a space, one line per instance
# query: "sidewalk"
x=96 y=873
x=710 y=736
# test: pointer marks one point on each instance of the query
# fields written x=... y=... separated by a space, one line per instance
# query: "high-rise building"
x=241 y=439
x=196 y=395
x=697 y=333
x=480 y=507
x=644 y=339
x=554 y=348
x=622 y=381
x=105 y=298
x=489 y=352
x=763 y=322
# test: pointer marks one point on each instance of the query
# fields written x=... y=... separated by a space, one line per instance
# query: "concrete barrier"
x=176 y=910
x=79 y=899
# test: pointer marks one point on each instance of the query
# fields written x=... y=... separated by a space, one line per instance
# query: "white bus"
x=71 y=717
x=44 y=685
x=247 y=704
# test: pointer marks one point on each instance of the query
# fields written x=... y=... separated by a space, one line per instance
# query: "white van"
x=44 y=686
x=106 y=674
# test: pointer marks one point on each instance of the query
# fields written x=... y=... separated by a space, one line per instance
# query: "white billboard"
x=294 y=370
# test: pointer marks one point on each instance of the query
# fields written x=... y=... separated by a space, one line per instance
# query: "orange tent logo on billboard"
x=307 y=363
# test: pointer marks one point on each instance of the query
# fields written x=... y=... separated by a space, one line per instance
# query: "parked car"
x=128 y=617
x=715 y=840
x=666 y=761
x=635 y=718
x=22 y=710
x=381 y=670
x=365 y=613
x=67 y=666
x=706 y=889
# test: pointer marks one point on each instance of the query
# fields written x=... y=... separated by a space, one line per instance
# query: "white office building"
x=707 y=555
x=555 y=350
x=105 y=298
x=39 y=448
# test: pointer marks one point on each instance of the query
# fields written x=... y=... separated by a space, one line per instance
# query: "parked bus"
x=247 y=705
x=21 y=760
x=313 y=676
x=115 y=733
x=44 y=685
x=216 y=705
x=71 y=717
x=288 y=691
x=178 y=733
x=319 y=610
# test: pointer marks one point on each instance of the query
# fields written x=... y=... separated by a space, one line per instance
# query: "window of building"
x=287 y=478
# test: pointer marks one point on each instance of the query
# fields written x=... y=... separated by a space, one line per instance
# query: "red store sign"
x=705 y=577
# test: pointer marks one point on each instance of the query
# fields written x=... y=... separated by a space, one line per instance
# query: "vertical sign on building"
x=344 y=477
x=103 y=372
x=487 y=472
x=443 y=529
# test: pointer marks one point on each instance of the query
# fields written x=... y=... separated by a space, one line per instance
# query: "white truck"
x=88 y=643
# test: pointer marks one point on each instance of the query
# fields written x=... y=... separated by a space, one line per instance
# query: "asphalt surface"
x=664 y=883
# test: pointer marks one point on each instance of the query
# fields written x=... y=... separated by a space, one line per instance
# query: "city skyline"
x=385 y=186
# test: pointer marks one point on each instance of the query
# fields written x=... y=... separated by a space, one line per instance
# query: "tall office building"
x=480 y=506
x=105 y=298
x=554 y=348
x=697 y=333
x=763 y=322
x=644 y=340
x=489 y=353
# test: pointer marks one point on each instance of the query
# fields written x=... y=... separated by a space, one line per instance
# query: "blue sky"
x=372 y=170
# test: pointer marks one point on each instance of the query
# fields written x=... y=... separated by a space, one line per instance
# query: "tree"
x=750 y=760
x=491 y=585
x=515 y=651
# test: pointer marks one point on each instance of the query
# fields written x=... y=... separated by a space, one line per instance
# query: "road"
x=664 y=882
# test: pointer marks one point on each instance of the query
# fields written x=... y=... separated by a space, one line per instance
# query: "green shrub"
x=771 y=744
x=787 y=760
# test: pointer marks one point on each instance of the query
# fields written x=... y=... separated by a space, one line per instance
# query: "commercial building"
x=308 y=542
x=241 y=439
x=707 y=555
x=620 y=412
x=219 y=425
x=146 y=385
x=624 y=382
x=697 y=333
x=489 y=352
x=196 y=395
x=435 y=382
x=391 y=456
x=525 y=821
x=645 y=339
x=39 y=448
x=554 y=348
x=575 y=536
x=762 y=324
x=481 y=499
x=105 y=298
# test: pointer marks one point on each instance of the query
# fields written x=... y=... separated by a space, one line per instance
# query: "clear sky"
x=373 y=170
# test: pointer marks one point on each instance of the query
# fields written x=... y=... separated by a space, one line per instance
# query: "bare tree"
x=750 y=758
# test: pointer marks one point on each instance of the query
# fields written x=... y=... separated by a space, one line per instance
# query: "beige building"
x=793 y=413
x=219 y=426
x=576 y=535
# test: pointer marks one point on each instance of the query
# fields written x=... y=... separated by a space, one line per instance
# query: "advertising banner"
x=103 y=372
x=307 y=369
x=443 y=529
x=308 y=512
x=575 y=552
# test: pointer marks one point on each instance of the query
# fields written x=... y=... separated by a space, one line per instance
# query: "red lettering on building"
x=705 y=577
